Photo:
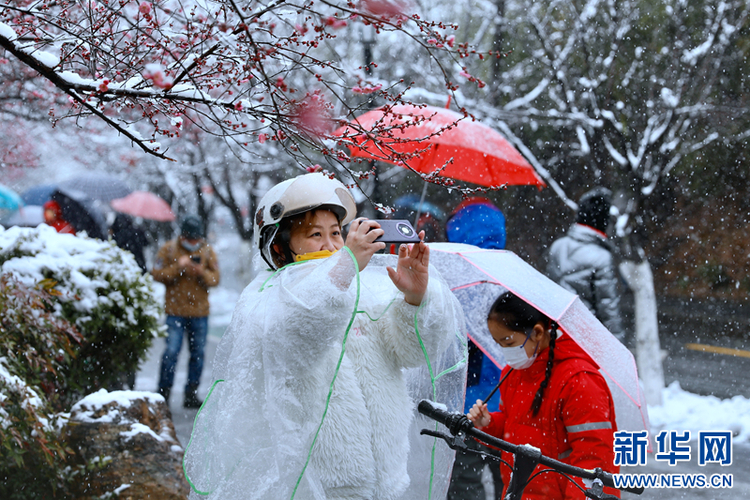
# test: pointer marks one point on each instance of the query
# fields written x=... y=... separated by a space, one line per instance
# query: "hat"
x=593 y=208
x=192 y=227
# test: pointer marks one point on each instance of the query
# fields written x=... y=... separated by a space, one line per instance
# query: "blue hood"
x=479 y=224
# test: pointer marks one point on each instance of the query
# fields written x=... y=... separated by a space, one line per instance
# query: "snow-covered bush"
x=35 y=344
x=98 y=288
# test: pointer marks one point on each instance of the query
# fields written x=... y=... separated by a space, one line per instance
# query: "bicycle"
x=526 y=457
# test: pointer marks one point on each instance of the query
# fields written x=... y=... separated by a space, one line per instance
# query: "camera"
x=196 y=258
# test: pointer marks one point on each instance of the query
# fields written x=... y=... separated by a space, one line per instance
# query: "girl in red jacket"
x=554 y=398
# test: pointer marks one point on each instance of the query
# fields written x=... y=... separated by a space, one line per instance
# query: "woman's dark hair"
x=518 y=316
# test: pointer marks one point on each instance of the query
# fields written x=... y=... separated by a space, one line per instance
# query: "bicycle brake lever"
x=597 y=492
x=454 y=442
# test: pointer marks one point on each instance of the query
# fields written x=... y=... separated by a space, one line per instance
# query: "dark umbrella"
x=96 y=186
x=81 y=212
x=412 y=202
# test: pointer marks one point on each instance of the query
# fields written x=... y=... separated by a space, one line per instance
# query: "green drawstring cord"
x=330 y=391
x=335 y=374
x=281 y=269
x=434 y=394
x=433 y=379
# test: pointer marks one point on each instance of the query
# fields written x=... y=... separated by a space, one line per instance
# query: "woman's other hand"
x=361 y=240
x=411 y=275
x=479 y=415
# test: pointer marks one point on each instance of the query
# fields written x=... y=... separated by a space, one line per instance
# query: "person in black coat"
x=131 y=237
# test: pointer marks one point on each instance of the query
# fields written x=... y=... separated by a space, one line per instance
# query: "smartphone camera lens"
x=405 y=230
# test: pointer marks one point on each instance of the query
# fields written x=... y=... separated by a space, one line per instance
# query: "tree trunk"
x=648 y=350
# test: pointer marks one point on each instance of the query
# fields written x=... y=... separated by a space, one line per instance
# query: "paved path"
x=148 y=378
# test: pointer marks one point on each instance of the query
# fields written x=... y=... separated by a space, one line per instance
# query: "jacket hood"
x=477 y=222
x=588 y=234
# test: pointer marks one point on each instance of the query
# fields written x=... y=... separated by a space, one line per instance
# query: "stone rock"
x=130 y=439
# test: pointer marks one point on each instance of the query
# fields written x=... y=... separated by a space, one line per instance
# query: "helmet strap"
x=284 y=239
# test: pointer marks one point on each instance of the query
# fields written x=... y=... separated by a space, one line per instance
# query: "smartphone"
x=397 y=231
x=196 y=258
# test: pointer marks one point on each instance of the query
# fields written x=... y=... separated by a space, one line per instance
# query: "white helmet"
x=295 y=196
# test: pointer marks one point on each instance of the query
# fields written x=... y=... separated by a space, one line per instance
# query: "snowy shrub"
x=34 y=346
x=98 y=288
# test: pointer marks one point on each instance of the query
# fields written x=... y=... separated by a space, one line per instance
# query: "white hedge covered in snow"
x=90 y=272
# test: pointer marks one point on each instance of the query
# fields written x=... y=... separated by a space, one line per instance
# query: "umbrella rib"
x=482 y=282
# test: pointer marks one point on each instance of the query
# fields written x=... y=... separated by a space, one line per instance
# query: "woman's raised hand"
x=361 y=240
x=411 y=275
x=479 y=415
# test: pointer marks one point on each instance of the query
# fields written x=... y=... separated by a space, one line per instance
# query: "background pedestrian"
x=582 y=261
x=188 y=267
x=476 y=221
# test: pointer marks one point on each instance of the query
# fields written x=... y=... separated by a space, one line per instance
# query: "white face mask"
x=516 y=356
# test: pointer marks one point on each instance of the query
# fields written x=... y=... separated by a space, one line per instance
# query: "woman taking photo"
x=311 y=398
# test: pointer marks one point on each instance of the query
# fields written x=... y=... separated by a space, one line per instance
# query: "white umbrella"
x=477 y=277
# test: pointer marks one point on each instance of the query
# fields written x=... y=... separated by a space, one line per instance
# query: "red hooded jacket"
x=575 y=423
x=53 y=216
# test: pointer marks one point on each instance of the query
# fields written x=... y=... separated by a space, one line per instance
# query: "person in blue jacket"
x=476 y=221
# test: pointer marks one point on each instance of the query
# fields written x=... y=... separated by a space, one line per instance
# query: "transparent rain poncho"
x=315 y=386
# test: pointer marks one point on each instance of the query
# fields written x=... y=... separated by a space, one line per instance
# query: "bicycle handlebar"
x=457 y=422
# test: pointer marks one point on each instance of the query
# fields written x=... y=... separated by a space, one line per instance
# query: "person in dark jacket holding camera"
x=188 y=268
x=582 y=260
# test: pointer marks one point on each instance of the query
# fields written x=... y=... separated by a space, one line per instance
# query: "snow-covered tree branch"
x=248 y=72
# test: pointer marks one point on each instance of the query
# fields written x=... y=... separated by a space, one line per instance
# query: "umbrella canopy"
x=82 y=213
x=427 y=138
x=477 y=277
x=9 y=200
x=413 y=203
x=38 y=195
x=144 y=204
x=96 y=186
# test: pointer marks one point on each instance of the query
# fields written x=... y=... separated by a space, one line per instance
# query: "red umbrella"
x=144 y=204
x=426 y=138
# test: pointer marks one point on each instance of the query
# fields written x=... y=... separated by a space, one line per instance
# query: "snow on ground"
x=684 y=411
